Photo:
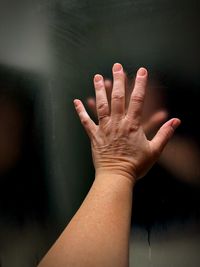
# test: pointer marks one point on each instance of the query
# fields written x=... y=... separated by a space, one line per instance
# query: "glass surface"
x=49 y=52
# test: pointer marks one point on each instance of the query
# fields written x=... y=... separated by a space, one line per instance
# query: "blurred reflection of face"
x=10 y=134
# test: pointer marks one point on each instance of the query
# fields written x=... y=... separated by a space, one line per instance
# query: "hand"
x=119 y=144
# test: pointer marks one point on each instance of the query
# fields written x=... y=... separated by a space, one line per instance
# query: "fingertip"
x=164 y=134
x=117 y=67
x=142 y=72
x=76 y=102
x=98 y=78
x=175 y=123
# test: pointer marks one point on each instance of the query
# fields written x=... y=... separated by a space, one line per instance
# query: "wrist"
x=115 y=174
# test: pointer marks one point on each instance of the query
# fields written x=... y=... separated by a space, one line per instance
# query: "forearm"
x=98 y=234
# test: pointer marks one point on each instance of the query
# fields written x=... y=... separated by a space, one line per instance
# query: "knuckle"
x=118 y=97
x=102 y=106
x=118 y=75
x=137 y=99
x=131 y=125
x=101 y=117
x=84 y=121
x=166 y=135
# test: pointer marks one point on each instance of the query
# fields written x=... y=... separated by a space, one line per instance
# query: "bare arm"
x=98 y=234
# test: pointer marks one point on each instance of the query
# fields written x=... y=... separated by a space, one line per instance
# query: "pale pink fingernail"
x=98 y=78
x=117 y=67
x=175 y=124
x=141 y=72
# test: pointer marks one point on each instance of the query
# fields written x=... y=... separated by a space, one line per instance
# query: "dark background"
x=65 y=43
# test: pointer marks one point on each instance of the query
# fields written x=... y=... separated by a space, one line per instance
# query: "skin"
x=98 y=234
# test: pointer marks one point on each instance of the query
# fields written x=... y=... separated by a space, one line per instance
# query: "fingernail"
x=117 y=67
x=76 y=102
x=141 y=72
x=175 y=124
x=98 y=78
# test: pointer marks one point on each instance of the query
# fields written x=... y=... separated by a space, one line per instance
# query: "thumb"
x=163 y=135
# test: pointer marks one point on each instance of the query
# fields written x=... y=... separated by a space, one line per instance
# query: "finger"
x=91 y=100
x=154 y=122
x=109 y=86
x=118 y=92
x=92 y=105
x=137 y=97
x=87 y=123
x=164 y=135
x=101 y=98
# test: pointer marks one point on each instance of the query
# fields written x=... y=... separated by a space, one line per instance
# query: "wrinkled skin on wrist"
x=119 y=144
